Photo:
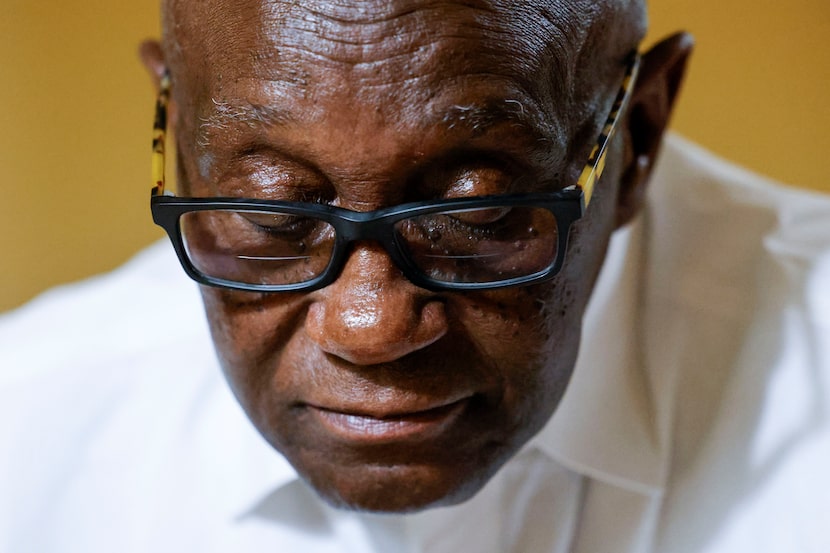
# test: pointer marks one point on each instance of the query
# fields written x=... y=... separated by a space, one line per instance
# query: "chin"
x=403 y=487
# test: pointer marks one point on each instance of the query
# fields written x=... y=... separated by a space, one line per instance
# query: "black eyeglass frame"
x=567 y=205
x=378 y=226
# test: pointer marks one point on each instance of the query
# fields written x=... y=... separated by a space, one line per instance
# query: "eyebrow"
x=478 y=118
x=226 y=115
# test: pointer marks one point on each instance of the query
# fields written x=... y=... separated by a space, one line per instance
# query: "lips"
x=370 y=427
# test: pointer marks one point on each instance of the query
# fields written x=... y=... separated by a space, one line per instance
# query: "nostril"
x=372 y=336
x=433 y=324
x=314 y=321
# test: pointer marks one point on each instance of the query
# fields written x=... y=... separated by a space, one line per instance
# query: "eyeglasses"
x=452 y=244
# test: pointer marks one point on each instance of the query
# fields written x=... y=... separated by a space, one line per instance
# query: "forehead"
x=374 y=47
x=367 y=32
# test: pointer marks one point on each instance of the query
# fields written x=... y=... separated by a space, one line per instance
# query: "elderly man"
x=398 y=212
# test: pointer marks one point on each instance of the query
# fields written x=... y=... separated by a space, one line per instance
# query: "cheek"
x=529 y=337
x=519 y=326
x=251 y=333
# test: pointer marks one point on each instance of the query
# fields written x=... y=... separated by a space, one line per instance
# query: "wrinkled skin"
x=385 y=396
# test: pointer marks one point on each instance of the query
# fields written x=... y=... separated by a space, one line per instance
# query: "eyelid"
x=266 y=173
x=262 y=219
x=482 y=216
x=485 y=172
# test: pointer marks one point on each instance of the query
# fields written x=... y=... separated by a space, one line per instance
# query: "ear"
x=152 y=57
x=661 y=74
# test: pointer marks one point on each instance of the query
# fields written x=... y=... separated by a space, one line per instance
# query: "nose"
x=372 y=314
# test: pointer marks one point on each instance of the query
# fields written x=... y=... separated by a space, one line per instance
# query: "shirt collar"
x=606 y=426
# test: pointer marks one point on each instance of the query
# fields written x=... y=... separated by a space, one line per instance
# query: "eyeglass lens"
x=489 y=244
x=480 y=245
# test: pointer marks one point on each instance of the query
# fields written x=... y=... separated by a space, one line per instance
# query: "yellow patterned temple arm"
x=159 y=132
x=596 y=162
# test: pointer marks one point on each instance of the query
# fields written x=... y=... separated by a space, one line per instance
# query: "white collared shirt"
x=696 y=421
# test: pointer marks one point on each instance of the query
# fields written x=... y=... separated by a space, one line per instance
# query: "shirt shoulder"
x=739 y=308
x=718 y=232
x=142 y=305
x=96 y=381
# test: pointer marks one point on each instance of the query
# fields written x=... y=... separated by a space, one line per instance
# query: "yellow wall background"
x=76 y=110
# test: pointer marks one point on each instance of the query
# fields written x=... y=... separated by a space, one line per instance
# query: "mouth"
x=365 y=428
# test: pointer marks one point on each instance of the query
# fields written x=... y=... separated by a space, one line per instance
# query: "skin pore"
x=385 y=396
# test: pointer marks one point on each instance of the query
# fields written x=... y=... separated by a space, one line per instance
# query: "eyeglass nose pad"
x=372 y=314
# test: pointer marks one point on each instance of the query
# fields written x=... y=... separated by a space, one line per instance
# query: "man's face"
x=385 y=396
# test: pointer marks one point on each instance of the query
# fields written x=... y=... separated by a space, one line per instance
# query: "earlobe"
x=152 y=57
x=660 y=79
